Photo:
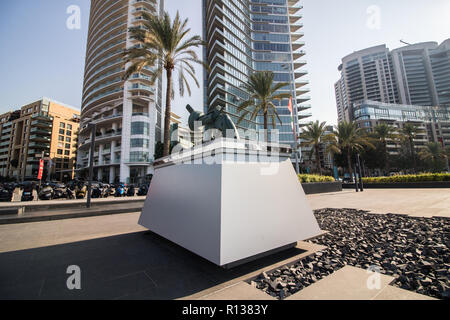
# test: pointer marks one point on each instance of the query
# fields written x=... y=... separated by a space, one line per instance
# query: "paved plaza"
x=413 y=202
x=121 y=260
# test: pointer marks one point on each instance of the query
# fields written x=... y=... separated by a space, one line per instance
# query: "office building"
x=433 y=121
x=127 y=114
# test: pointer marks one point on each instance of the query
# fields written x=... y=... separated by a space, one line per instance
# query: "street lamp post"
x=93 y=128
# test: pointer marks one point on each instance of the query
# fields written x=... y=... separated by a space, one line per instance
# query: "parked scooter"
x=46 y=192
x=70 y=194
x=60 y=191
x=97 y=191
x=110 y=191
x=131 y=192
x=27 y=192
x=143 y=190
x=80 y=191
x=6 y=193
x=120 y=190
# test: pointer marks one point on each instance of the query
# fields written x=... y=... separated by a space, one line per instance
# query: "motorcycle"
x=60 y=191
x=27 y=193
x=46 y=193
x=143 y=190
x=80 y=191
x=70 y=194
x=120 y=191
x=6 y=193
x=110 y=192
x=97 y=192
x=131 y=192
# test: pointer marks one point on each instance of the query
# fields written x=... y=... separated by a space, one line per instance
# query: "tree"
x=348 y=138
x=384 y=132
x=409 y=133
x=159 y=150
x=165 y=45
x=434 y=154
x=263 y=92
x=314 y=136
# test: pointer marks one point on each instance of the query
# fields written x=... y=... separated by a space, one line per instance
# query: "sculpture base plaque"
x=227 y=203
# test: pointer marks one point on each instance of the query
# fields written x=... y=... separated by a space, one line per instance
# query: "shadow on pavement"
x=133 y=266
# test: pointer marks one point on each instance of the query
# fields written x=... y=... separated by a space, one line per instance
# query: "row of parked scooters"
x=70 y=191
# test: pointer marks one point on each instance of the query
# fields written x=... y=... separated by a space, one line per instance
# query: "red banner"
x=41 y=169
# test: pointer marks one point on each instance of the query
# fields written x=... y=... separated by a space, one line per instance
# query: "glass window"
x=69 y=127
x=140 y=143
x=60 y=152
x=62 y=125
x=137 y=156
x=61 y=131
x=67 y=145
x=69 y=133
x=61 y=138
x=140 y=128
x=68 y=139
x=67 y=153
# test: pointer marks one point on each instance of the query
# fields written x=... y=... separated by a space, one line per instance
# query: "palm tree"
x=409 y=133
x=314 y=136
x=165 y=45
x=385 y=132
x=433 y=153
x=262 y=92
x=348 y=138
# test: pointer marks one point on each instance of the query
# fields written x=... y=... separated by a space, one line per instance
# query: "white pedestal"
x=229 y=211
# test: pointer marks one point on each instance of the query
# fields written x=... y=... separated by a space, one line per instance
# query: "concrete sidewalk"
x=71 y=213
x=68 y=202
x=118 y=260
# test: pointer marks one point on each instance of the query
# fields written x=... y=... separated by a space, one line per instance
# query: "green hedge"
x=427 y=177
x=311 y=178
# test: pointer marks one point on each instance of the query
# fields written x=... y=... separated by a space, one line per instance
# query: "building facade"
x=433 y=121
x=44 y=128
x=244 y=37
x=365 y=75
x=127 y=114
x=423 y=73
x=417 y=74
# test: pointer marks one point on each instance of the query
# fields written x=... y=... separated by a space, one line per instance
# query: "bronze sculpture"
x=214 y=119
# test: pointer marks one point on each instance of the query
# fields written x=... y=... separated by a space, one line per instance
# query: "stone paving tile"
x=348 y=283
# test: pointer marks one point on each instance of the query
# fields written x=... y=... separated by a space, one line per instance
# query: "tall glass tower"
x=249 y=36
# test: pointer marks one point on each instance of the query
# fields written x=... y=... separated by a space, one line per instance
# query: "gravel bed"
x=415 y=251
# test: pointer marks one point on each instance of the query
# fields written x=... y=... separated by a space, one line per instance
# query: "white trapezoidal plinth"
x=228 y=212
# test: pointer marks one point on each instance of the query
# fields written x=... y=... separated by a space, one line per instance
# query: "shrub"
x=312 y=178
x=425 y=177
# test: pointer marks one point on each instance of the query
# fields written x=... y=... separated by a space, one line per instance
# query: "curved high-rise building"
x=127 y=114
x=248 y=36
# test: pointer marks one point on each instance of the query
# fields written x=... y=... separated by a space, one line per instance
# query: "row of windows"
x=266 y=9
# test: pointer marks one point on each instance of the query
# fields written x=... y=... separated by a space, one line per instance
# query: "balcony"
x=37 y=153
x=42 y=116
x=38 y=131
x=42 y=124
x=41 y=138
x=38 y=145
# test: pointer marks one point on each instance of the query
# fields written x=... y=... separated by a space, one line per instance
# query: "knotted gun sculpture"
x=214 y=119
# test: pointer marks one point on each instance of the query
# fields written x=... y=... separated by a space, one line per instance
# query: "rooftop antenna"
x=404 y=42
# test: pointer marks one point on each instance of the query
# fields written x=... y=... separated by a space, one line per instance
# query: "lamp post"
x=93 y=128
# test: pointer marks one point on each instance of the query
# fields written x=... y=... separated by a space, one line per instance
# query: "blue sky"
x=39 y=56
